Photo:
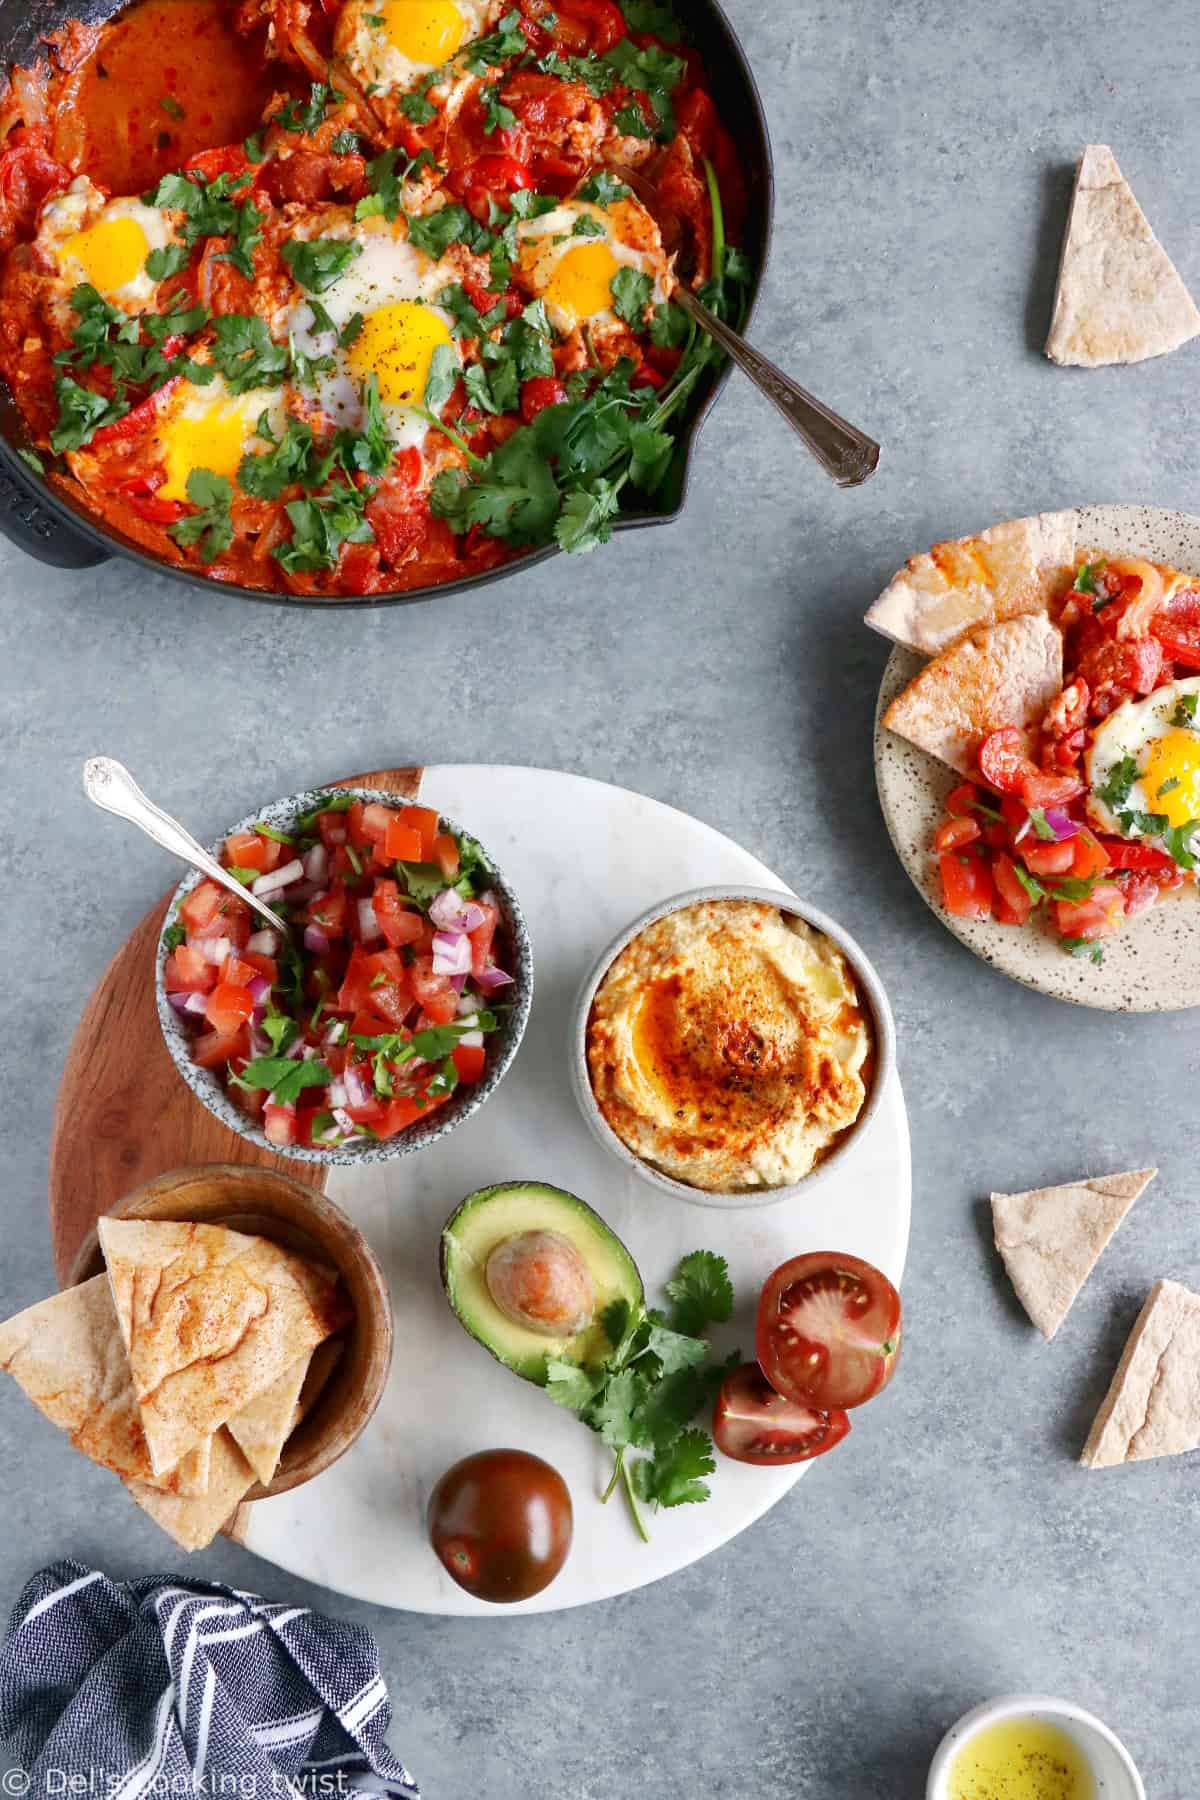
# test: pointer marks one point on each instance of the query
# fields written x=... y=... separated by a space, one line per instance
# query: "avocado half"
x=492 y=1214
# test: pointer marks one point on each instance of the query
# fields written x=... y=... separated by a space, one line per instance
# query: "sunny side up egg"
x=1145 y=759
x=104 y=242
x=569 y=257
x=378 y=319
x=210 y=428
x=390 y=45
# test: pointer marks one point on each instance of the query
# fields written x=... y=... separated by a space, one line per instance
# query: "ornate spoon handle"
x=108 y=784
x=841 y=449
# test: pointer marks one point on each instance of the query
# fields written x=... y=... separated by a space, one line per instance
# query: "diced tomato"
x=328 y=912
x=1046 y=858
x=539 y=392
x=1018 y=903
x=355 y=826
x=372 y=1108
x=1040 y=789
x=266 y=966
x=187 y=972
x=482 y=936
x=1140 y=889
x=1003 y=760
x=604 y=22
x=427 y=986
x=440 y=1009
x=405 y=1110
x=402 y=842
x=279 y=1124
x=967 y=889
x=1181 y=643
x=960 y=802
x=1089 y=857
x=213 y=1049
x=333 y=829
x=489 y=178
x=251 y=850
x=955 y=834
x=1096 y=917
x=469 y=1060
x=375 y=820
x=445 y=854
x=398 y=922
x=1125 y=853
x=237 y=972
x=200 y=908
x=228 y=1008
x=425 y=820
x=247 y=1100
x=223 y=159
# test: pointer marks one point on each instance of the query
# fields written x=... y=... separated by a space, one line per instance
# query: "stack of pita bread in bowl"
x=226 y=1336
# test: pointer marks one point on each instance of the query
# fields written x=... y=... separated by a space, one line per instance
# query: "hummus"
x=727 y=1046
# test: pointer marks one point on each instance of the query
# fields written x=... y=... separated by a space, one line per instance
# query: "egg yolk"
x=396 y=345
x=425 y=31
x=112 y=252
x=214 y=439
x=581 y=284
x=1171 y=777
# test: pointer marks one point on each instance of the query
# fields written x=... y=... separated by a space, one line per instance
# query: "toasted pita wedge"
x=1019 y=567
x=1004 y=674
x=67 y=1355
x=261 y=1429
x=1120 y=298
x=194 y=1523
x=1153 y=1405
x=325 y=1359
x=210 y=1318
x=1052 y=1238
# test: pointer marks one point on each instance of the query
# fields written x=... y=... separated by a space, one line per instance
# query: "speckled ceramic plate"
x=1153 y=965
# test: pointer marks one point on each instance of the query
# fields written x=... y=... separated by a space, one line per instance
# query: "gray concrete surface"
x=953 y=1549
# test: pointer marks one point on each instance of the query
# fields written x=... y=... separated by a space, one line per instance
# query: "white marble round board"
x=584 y=859
x=1153 y=963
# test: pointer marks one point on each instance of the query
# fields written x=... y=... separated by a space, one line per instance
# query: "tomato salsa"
x=348 y=297
x=1094 y=816
x=376 y=1006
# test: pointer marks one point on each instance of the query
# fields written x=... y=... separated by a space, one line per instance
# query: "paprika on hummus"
x=728 y=1046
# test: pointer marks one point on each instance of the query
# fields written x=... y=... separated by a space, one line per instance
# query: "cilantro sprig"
x=657 y=1376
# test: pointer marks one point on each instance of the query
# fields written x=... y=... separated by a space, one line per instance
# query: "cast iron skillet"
x=63 y=536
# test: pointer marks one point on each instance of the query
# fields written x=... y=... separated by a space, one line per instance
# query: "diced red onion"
x=263 y=943
x=337 y=1093
x=472 y=1039
x=301 y=892
x=368 y=924
x=214 y=950
x=315 y=940
x=358 y=1092
x=316 y=863
x=458 y=983
x=259 y=989
x=260 y=1044
x=295 y=1049
x=335 y=834
x=491 y=979
x=275 y=879
x=345 y=1122
x=195 y=1005
x=450 y=912
x=451 y=954
x=258 y=1015
x=335 y=1033
x=1061 y=824
x=467 y=1005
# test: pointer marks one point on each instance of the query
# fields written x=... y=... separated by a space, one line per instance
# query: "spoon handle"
x=843 y=451
x=108 y=784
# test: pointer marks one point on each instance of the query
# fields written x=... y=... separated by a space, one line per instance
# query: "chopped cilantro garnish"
x=318 y=262
x=167 y=261
x=631 y=291
x=1184 y=715
x=210 y=527
x=246 y=354
x=283 y=1077
x=1085 y=580
x=1115 y=789
x=306 y=116
x=1083 y=947
x=1041 y=829
x=603 y=189
x=345 y=143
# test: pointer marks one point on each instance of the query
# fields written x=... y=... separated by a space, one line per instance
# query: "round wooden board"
x=123 y=1115
x=1153 y=964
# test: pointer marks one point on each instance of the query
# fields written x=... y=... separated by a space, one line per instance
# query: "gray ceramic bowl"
x=869 y=985
x=516 y=955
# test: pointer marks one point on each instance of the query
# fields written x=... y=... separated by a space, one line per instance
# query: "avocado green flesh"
x=491 y=1215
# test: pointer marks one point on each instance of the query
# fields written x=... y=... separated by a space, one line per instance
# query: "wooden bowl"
x=274 y=1206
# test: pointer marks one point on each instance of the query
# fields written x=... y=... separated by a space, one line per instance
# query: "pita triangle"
x=1005 y=674
x=1119 y=298
x=261 y=1429
x=1152 y=1407
x=1052 y=1238
x=195 y=1522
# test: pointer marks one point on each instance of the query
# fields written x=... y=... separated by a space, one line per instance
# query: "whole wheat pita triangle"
x=210 y=1318
x=1005 y=674
x=1052 y=1238
x=1152 y=1407
x=1120 y=298
x=263 y=1427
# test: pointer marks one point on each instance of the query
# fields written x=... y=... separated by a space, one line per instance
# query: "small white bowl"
x=870 y=987
x=1111 y=1765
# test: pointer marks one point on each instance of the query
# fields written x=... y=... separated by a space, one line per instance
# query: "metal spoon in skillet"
x=844 y=452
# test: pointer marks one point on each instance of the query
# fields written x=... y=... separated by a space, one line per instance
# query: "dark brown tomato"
x=754 y=1424
x=501 y=1524
x=828 y=1330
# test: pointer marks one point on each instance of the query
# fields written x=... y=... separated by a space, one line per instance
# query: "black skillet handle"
x=27 y=522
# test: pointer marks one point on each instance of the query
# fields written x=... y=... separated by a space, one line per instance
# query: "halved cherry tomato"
x=754 y=1424
x=228 y=1008
x=1039 y=789
x=1003 y=759
x=1018 y=902
x=828 y=1329
x=967 y=889
x=955 y=834
x=470 y=1061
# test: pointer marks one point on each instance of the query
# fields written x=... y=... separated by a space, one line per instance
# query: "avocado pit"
x=538 y=1279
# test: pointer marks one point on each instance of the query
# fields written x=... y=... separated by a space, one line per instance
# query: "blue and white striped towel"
x=172 y=1687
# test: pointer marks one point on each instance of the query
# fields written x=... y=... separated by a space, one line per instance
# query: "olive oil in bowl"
x=1021 y=1758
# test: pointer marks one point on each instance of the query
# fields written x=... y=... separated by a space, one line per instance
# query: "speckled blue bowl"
x=516 y=956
